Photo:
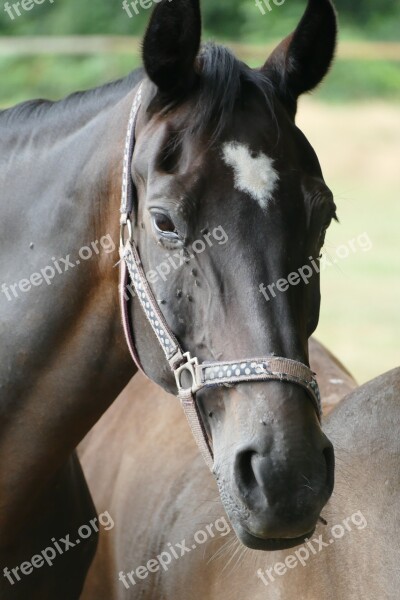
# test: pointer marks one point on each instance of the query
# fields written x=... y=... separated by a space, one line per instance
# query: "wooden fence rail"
x=86 y=45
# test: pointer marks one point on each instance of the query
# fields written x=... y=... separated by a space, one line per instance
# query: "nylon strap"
x=127 y=183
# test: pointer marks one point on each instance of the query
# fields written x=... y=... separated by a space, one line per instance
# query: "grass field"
x=353 y=122
x=359 y=149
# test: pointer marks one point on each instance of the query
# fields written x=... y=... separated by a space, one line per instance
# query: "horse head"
x=231 y=215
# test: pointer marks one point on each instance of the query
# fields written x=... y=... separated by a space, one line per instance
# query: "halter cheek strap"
x=190 y=375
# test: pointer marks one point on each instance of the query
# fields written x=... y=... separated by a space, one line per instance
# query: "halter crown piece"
x=190 y=375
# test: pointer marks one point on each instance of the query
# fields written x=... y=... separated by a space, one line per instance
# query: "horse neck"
x=68 y=336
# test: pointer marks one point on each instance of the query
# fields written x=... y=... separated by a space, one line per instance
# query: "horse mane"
x=35 y=112
x=223 y=79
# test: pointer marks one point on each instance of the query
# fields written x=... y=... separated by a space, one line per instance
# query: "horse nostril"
x=329 y=456
x=244 y=472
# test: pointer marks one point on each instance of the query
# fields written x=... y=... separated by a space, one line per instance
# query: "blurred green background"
x=352 y=120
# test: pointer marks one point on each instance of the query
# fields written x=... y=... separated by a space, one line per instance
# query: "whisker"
x=233 y=555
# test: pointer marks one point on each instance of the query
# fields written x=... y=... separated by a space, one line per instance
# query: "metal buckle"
x=125 y=222
x=189 y=367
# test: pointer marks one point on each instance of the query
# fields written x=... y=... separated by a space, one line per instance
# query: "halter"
x=190 y=375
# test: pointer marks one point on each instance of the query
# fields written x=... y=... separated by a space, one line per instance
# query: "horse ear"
x=301 y=60
x=171 y=44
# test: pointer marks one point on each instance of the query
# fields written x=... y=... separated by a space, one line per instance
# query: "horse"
x=217 y=155
x=165 y=503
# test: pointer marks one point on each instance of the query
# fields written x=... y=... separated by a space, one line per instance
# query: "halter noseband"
x=190 y=375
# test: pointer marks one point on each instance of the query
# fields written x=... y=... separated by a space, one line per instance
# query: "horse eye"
x=163 y=223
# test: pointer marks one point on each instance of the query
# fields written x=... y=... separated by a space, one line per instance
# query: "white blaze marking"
x=254 y=175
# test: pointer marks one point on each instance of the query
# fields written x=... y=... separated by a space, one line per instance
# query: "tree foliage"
x=233 y=19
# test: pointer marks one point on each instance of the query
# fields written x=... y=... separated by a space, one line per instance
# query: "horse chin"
x=269 y=544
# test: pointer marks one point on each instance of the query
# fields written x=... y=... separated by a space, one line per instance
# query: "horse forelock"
x=223 y=81
x=222 y=85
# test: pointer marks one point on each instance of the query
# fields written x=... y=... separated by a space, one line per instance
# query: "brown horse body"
x=144 y=468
